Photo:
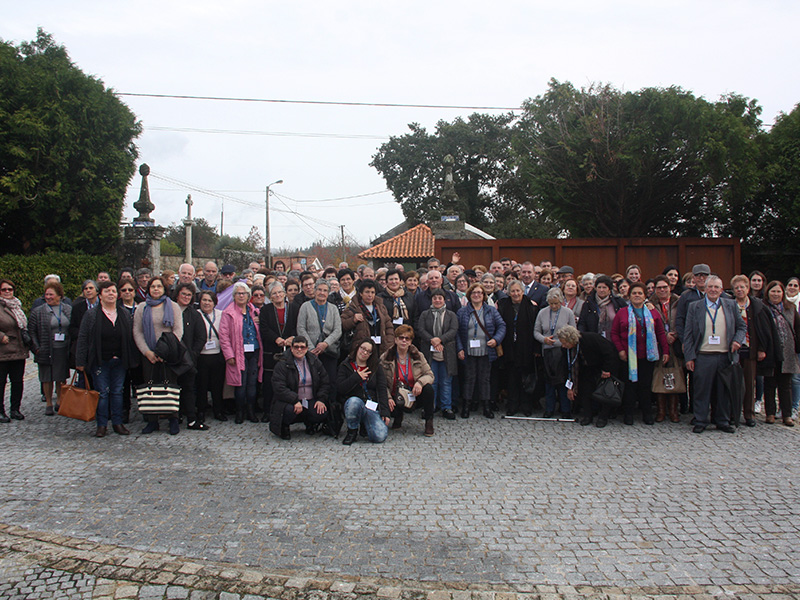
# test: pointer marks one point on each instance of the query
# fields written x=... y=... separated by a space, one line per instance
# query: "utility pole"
x=187 y=222
x=344 y=254
x=267 y=250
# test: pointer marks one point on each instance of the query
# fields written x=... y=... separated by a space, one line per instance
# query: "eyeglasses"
x=126 y=290
x=404 y=338
x=7 y=289
x=298 y=347
x=365 y=350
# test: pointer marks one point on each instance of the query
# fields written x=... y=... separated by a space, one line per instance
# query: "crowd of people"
x=359 y=349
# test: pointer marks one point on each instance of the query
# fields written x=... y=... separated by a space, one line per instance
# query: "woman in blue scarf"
x=638 y=333
x=156 y=315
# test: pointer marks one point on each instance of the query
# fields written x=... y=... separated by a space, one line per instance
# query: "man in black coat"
x=300 y=389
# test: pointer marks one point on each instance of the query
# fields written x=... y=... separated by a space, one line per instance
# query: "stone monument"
x=450 y=226
x=141 y=244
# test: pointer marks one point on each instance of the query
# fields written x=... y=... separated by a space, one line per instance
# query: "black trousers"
x=14 y=371
x=639 y=392
x=309 y=415
x=425 y=400
x=210 y=378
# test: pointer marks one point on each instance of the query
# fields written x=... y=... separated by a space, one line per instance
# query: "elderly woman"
x=756 y=355
x=590 y=358
x=242 y=350
x=786 y=328
x=572 y=299
x=367 y=317
x=548 y=321
x=278 y=326
x=13 y=351
x=519 y=345
x=210 y=363
x=154 y=317
x=666 y=303
x=408 y=379
x=361 y=384
x=48 y=327
x=480 y=330
x=319 y=322
x=587 y=287
x=600 y=308
x=437 y=331
x=638 y=333
x=105 y=348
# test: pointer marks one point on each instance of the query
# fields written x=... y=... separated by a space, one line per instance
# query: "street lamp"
x=268 y=252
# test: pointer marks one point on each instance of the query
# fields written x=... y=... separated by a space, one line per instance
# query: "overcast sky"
x=445 y=53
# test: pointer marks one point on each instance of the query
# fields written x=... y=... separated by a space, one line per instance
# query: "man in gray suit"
x=713 y=328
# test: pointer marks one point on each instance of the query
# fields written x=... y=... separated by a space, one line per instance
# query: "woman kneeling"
x=362 y=386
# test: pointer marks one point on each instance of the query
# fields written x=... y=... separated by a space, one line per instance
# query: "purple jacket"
x=232 y=343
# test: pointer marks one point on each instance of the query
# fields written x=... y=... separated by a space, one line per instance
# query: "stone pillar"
x=187 y=223
x=141 y=244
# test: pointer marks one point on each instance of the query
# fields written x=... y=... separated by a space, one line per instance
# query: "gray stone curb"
x=121 y=573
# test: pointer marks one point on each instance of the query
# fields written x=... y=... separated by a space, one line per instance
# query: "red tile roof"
x=417 y=242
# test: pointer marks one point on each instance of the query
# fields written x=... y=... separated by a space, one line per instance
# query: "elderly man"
x=209 y=280
x=422 y=300
x=534 y=290
x=143 y=277
x=496 y=268
x=699 y=274
x=186 y=273
x=564 y=273
x=453 y=271
x=714 y=327
x=228 y=273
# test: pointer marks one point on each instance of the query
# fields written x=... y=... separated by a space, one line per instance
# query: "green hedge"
x=27 y=272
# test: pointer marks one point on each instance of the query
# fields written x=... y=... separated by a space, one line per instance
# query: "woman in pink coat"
x=241 y=347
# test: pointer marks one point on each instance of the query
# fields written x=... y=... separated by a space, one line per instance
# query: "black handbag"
x=609 y=392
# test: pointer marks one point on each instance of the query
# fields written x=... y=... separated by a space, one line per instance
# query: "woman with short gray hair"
x=548 y=321
x=319 y=322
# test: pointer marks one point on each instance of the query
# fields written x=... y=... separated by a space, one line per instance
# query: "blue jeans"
x=356 y=412
x=796 y=391
x=245 y=394
x=550 y=392
x=108 y=380
x=442 y=385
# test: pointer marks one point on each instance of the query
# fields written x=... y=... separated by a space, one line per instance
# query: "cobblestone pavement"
x=494 y=507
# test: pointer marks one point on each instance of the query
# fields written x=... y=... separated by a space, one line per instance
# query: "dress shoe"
x=698 y=429
x=648 y=420
x=120 y=430
x=770 y=419
x=265 y=417
x=788 y=422
x=398 y=419
x=17 y=416
x=586 y=421
x=4 y=418
x=601 y=422
x=750 y=422
x=311 y=429
x=101 y=432
x=50 y=412
x=174 y=426
x=429 y=427
x=726 y=428
x=448 y=414
x=285 y=435
x=251 y=416
x=352 y=436
x=548 y=414
x=220 y=416
x=197 y=425
x=239 y=418
x=487 y=412
x=150 y=427
x=465 y=412
x=628 y=419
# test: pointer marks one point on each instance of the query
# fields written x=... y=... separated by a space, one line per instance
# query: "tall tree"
x=483 y=172
x=657 y=162
x=67 y=152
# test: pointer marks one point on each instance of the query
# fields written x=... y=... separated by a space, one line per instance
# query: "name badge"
x=713 y=340
x=432 y=348
x=411 y=398
x=372 y=405
x=603 y=334
x=211 y=344
x=304 y=403
x=568 y=385
x=59 y=337
x=398 y=321
x=474 y=343
x=376 y=339
x=249 y=347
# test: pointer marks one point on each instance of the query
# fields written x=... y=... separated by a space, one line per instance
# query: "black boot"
x=3 y=417
x=352 y=436
x=465 y=410
x=239 y=418
x=251 y=415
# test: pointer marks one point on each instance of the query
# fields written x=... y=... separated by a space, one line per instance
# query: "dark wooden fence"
x=604 y=255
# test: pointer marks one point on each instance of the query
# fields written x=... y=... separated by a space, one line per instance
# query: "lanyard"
x=211 y=323
x=516 y=314
x=553 y=322
x=52 y=312
x=305 y=372
x=281 y=325
x=476 y=315
x=713 y=319
x=404 y=372
x=572 y=360
x=665 y=312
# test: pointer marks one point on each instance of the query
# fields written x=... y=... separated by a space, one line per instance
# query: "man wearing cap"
x=699 y=274
x=564 y=273
x=714 y=327
x=227 y=272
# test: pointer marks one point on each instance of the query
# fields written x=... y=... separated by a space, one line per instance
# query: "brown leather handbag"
x=78 y=403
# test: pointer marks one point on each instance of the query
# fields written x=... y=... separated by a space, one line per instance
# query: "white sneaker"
x=759 y=407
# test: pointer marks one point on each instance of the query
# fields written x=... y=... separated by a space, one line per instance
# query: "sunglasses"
x=404 y=337
x=294 y=347
x=7 y=289
x=126 y=290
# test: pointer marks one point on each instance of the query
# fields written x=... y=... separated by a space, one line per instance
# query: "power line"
x=338 y=136
x=317 y=102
